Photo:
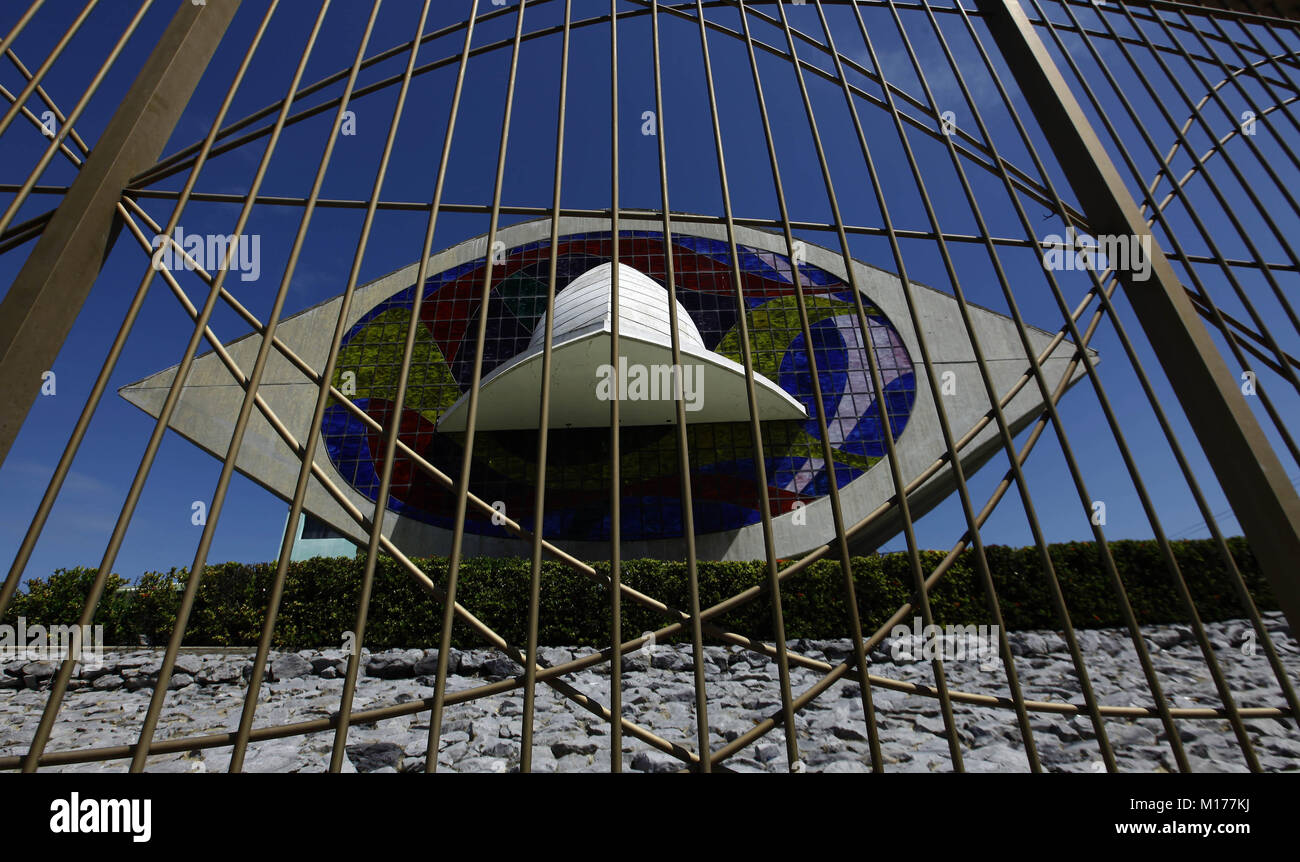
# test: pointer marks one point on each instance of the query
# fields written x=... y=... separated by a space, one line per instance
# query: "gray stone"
x=567 y=747
x=499 y=668
x=373 y=756
x=428 y=663
x=669 y=659
x=727 y=727
x=502 y=748
x=94 y=672
x=108 y=682
x=40 y=670
x=996 y=758
x=246 y=672
x=483 y=764
x=483 y=735
x=290 y=666
x=1170 y=636
x=932 y=724
x=394 y=664
x=1131 y=734
x=677 y=693
x=852 y=730
x=1277 y=763
x=1282 y=747
x=572 y=763
x=1028 y=644
x=472 y=661
x=553 y=656
x=222 y=673
x=179 y=681
x=656 y=761
x=327 y=658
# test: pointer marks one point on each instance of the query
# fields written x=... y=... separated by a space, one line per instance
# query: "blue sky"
x=161 y=534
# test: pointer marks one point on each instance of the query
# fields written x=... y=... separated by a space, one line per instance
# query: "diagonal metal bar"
x=216 y=504
x=462 y=480
x=490 y=636
x=313 y=435
x=39 y=309
x=1247 y=468
x=544 y=416
x=394 y=417
x=1130 y=463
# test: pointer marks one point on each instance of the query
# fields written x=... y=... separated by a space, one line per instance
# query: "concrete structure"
x=581 y=372
x=211 y=397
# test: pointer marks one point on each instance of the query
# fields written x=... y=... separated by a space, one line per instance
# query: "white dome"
x=585 y=306
x=583 y=380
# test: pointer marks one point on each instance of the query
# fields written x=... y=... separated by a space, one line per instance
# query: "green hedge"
x=321 y=595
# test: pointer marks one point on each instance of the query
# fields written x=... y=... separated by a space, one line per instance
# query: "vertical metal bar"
x=391 y=433
x=755 y=428
x=1013 y=683
x=1248 y=470
x=215 y=507
x=828 y=456
x=615 y=471
x=544 y=420
x=38 y=521
x=43 y=302
x=1015 y=461
x=471 y=419
x=1113 y=423
x=155 y=440
x=683 y=448
x=314 y=430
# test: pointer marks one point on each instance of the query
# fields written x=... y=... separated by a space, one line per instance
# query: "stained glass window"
x=724 y=487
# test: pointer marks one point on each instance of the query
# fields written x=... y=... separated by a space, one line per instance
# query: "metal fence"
x=938 y=141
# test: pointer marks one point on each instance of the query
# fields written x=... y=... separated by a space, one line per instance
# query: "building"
x=727 y=501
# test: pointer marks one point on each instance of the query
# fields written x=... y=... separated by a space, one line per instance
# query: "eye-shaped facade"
x=724 y=478
x=726 y=496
